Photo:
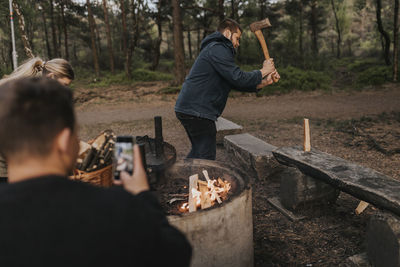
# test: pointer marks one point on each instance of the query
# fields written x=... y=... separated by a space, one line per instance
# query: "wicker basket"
x=102 y=177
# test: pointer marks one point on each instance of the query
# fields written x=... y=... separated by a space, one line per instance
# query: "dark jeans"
x=202 y=134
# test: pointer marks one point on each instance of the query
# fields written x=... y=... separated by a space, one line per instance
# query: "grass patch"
x=144 y=75
x=170 y=90
x=88 y=79
x=375 y=75
x=297 y=79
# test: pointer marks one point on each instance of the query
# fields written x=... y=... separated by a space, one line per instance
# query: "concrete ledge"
x=226 y=127
x=359 y=260
x=383 y=240
x=252 y=155
x=299 y=189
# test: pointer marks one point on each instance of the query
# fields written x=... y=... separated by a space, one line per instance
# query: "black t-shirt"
x=53 y=221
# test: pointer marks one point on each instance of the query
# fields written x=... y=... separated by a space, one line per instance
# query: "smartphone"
x=123 y=156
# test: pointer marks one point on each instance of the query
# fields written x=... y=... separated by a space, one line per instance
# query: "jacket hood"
x=217 y=37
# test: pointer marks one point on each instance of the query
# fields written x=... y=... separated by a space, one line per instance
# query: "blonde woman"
x=58 y=69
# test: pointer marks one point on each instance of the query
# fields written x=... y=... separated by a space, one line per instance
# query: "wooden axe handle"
x=263 y=44
x=264 y=47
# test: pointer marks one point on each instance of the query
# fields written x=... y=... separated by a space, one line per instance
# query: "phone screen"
x=123 y=156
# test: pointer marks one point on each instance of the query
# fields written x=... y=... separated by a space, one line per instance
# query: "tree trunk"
x=46 y=34
x=384 y=34
x=179 y=53
x=189 y=43
x=395 y=40
x=157 y=52
x=124 y=39
x=108 y=32
x=59 y=31
x=65 y=31
x=24 y=37
x=263 y=9
x=53 y=30
x=233 y=9
x=301 y=30
x=338 y=30
x=198 y=40
x=135 y=36
x=221 y=13
x=314 y=33
x=93 y=39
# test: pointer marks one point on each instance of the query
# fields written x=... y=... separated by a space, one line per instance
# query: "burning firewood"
x=204 y=194
x=211 y=185
x=192 y=192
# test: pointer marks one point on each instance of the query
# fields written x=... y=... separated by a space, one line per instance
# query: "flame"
x=216 y=187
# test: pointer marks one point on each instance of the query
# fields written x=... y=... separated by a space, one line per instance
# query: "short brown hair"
x=32 y=112
x=230 y=24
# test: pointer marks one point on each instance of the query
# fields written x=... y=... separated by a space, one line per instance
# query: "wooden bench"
x=383 y=232
x=361 y=182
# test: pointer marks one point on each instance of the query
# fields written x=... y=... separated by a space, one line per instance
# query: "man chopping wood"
x=205 y=90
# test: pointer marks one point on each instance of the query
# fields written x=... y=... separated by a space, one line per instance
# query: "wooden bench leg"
x=297 y=189
x=383 y=240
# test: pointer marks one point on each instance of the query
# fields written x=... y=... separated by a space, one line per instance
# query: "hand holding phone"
x=137 y=182
x=123 y=156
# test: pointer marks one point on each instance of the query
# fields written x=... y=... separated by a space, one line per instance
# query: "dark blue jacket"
x=214 y=73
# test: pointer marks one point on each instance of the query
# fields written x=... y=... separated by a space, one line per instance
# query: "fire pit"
x=221 y=235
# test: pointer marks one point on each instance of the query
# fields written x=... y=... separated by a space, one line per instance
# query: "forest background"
x=316 y=44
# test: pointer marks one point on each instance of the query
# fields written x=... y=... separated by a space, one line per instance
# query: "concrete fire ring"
x=221 y=235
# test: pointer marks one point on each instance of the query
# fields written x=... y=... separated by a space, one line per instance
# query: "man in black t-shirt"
x=48 y=220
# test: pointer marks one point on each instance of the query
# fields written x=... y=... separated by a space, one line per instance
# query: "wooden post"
x=307 y=143
x=192 y=184
x=361 y=207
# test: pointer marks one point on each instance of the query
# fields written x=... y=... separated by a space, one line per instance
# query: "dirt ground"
x=360 y=126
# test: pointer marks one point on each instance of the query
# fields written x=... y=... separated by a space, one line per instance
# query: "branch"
x=202 y=8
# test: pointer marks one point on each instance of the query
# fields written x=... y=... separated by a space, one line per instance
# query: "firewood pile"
x=204 y=194
x=96 y=154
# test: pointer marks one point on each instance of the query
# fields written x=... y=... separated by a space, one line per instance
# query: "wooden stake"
x=307 y=144
x=361 y=207
x=192 y=185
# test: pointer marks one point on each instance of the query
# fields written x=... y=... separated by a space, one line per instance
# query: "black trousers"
x=202 y=134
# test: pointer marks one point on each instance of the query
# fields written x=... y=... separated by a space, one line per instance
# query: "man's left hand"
x=268 y=80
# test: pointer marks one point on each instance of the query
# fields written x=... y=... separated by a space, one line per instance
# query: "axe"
x=256 y=28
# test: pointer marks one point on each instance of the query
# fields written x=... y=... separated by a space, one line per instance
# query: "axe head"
x=259 y=25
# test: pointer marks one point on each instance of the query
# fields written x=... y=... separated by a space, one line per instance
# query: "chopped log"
x=201 y=182
x=205 y=173
x=100 y=140
x=361 y=182
x=361 y=207
x=192 y=185
x=88 y=158
x=307 y=144
x=83 y=148
x=203 y=190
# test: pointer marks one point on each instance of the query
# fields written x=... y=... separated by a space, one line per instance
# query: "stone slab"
x=383 y=240
x=252 y=155
x=361 y=182
x=358 y=260
x=276 y=203
x=299 y=189
x=226 y=127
